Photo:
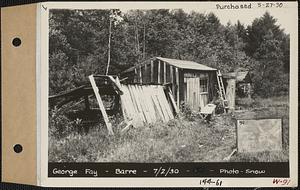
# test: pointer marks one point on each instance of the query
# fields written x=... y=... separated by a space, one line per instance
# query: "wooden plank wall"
x=200 y=74
x=230 y=93
x=159 y=72
x=211 y=85
x=145 y=104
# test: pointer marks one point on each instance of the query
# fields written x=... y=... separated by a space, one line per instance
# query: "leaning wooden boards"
x=145 y=104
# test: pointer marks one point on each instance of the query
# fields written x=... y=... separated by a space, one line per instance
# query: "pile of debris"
x=139 y=104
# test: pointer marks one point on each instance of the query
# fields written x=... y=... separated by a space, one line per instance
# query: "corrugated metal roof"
x=183 y=64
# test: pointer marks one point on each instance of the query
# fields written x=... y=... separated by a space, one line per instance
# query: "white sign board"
x=259 y=135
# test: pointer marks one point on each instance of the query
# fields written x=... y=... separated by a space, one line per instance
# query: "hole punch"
x=18 y=148
x=16 y=42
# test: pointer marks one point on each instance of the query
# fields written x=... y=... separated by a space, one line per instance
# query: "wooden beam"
x=140 y=74
x=122 y=101
x=151 y=71
x=135 y=78
x=177 y=84
x=172 y=79
x=128 y=125
x=123 y=79
x=101 y=106
x=171 y=74
x=146 y=74
x=158 y=72
x=173 y=102
x=165 y=73
x=116 y=86
x=67 y=93
x=230 y=155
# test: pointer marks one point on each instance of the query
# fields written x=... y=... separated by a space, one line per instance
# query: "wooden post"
x=230 y=93
x=135 y=78
x=158 y=72
x=140 y=74
x=177 y=84
x=122 y=99
x=151 y=71
x=109 y=38
x=172 y=80
x=165 y=73
x=249 y=90
x=173 y=102
x=171 y=74
x=146 y=74
x=101 y=106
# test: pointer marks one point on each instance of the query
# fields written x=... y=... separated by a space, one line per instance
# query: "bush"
x=60 y=126
x=187 y=112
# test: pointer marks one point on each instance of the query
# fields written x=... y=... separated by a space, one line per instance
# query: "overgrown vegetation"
x=184 y=139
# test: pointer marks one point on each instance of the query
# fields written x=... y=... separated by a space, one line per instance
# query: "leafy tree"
x=78 y=44
x=269 y=79
x=259 y=29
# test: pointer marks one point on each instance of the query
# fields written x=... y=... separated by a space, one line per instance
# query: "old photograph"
x=167 y=85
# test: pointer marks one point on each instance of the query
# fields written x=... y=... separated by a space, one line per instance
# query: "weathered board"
x=101 y=106
x=193 y=96
x=259 y=135
x=145 y=104
x=230 y=93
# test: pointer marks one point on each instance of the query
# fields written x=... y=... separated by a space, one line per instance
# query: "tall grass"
x=176 y=141
x=184 y=139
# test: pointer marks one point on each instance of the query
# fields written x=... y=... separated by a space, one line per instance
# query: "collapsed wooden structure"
x=189 y=81
x=139 y=104
x=147 y=103
x=154 y=90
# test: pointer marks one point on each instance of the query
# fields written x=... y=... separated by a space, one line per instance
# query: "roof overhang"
x=181 y=64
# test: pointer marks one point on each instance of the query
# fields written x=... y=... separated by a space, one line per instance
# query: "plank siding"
x=151 y=71
x=165 y=72
x=177 y=87
x=168 y=73
x=155 y=72
x=145 y=104
x=159 y=72
x=146 y=74
x=140 y=75
x=172 y=80
x=181 y=85
x=135 y=79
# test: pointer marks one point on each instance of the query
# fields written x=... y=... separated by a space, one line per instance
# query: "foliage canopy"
x=78 y=45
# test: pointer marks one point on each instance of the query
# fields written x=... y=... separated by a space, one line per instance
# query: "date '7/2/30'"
x=165 y=171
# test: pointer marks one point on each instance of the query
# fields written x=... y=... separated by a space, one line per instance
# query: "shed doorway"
x=196 y=92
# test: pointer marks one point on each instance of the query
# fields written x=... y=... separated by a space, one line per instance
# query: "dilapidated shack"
x=189 y=82
x=243 y=82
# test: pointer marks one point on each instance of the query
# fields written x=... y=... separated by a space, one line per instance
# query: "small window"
x=203 y=85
